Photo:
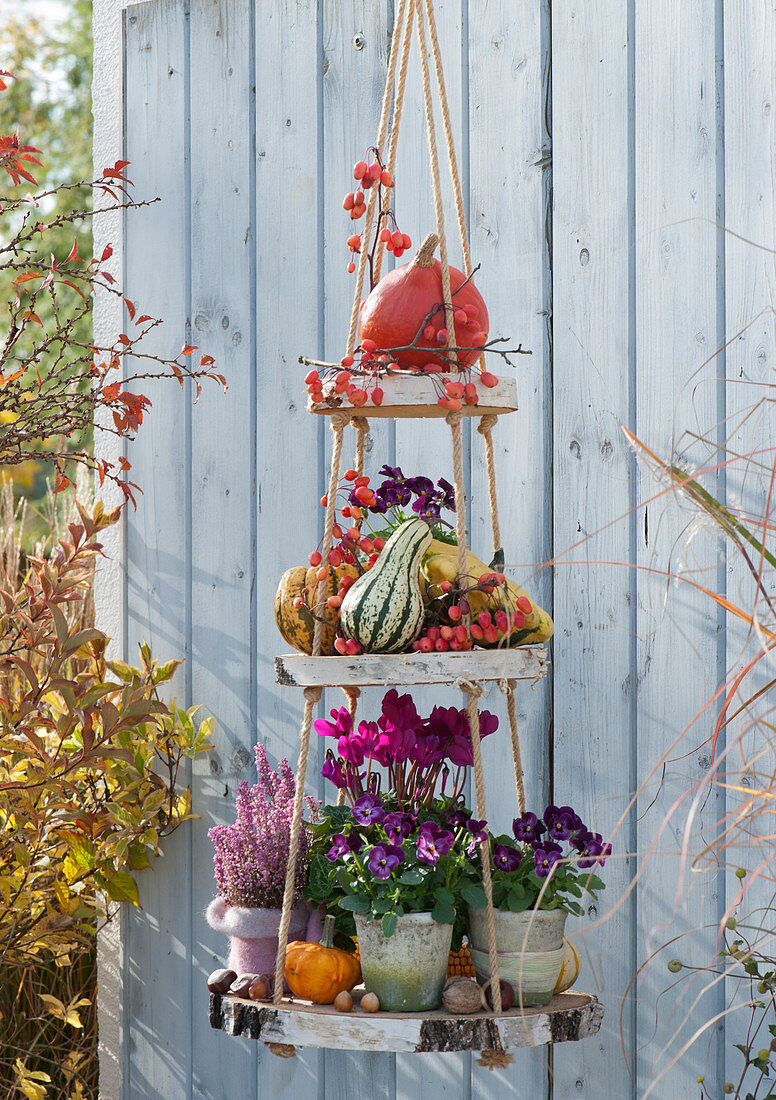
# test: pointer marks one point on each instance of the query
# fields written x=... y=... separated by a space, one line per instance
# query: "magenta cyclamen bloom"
x=252 y=854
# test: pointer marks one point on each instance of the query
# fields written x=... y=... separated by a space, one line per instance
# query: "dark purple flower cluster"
x=252 y=854
x=397 y=491
x=405 y=838
x=544 y=836
x=410 y=747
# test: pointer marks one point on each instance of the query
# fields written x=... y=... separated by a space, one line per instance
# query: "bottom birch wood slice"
x=527 y=662
x=568 y=1017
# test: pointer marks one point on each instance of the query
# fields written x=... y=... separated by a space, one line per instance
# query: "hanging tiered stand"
x=288 y=1022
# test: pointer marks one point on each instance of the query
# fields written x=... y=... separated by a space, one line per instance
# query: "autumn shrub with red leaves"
x=53 y=383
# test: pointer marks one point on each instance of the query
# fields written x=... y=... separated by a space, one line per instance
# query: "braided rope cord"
x=311 y=697
x=485 y=430
x=369 y=217
x=508 y=688
x=406 y=12
x=353 y=694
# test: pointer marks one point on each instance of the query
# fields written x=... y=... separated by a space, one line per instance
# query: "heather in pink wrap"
x=253 y=933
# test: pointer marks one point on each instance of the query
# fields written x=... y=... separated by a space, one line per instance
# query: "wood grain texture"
x=411 y=397
x=384 y=669
x=678 y=656
x=157 y=976
x=750 y=427
x=508 y=57
x=594 y=619
x=223 y=473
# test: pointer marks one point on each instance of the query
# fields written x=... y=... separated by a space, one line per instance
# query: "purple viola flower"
x=591 y=848
x=381 y=861
x=561 y=822
x=393 y=472
x=340 y=847
x=433 y=841
x=479 y=834
x=448 y=494
x=505 y=858
x=545 y=859
x=395 y=850
x=420 y=485
x=397 y=827
x=528 y=828
x=426 y=507
x=457 y=819
x=341 y=726
x=332 y=770
x=368 y=810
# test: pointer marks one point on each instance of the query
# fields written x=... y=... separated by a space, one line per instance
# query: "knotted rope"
x=312 y=696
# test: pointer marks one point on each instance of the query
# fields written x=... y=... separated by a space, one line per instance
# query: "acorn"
x=462 y=996
x=343 y=1002
x=507 y=995
x=220 y=980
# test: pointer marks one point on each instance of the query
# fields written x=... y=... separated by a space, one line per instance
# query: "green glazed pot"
x=530 y=950
x=408 y=970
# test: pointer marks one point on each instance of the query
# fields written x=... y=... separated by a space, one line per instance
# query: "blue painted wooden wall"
x=601 y=142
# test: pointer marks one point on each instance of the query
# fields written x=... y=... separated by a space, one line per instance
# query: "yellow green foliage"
x=89 y=759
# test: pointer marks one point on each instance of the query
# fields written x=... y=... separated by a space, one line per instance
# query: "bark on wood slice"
x=412 y=395
x=379 y=669
x=567 y=1018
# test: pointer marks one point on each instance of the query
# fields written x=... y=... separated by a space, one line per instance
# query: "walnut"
x=462 y=996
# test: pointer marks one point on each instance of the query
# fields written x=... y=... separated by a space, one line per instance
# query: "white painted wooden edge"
x=567 y=1018
x=381 y=669
x=416 y=395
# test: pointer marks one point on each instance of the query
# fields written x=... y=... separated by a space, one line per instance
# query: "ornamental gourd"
x=441 y=564
x=296 y=624
x=383 y=611
x=319 y=971
x=397 y=312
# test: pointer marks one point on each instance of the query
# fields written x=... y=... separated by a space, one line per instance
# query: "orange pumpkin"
x=397 y=307
x=317 y=972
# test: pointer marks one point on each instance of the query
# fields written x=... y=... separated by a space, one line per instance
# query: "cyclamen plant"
x=536 y=872
x=418 y=754
x=252 y=854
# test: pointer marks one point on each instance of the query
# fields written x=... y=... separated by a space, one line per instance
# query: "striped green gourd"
x=383 y=611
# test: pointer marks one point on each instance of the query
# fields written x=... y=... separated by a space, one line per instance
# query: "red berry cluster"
x=443 y=638
x=368 y=175
x=445 y=630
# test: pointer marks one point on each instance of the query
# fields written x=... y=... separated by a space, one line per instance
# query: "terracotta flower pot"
x=408 y=970
x=530 y=950
x=253 y=933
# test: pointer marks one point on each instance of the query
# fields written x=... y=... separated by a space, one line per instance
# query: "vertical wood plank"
x=353 y=83
x=676 y=331
x=594 y=692
x=157 y=947
x=223 y=474
x=750 y=210
x=508 y=73
x=425 y=447
x=288 y=320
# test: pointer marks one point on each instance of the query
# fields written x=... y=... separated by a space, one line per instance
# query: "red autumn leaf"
x=145 y=317
x=130 y=308
x=107 y=252
x=27 y=276
x=61 y=482
x=74 y=251
x=77 y=289
x=124 y=339
x=110 y=393
x=11 y=377
x=124 y=463
x=187 y=349
x=206 y=360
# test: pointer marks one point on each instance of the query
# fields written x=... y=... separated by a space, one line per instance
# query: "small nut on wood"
x=462 y=996
x=261 y=987
x=343 y=1002
x=220 y=980
x=507 y=995
x=240 y=986
x=370 y=1002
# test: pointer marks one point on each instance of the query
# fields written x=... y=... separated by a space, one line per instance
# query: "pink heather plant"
x=251 y=856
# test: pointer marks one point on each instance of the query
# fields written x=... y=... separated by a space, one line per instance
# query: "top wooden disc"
x=416 y=395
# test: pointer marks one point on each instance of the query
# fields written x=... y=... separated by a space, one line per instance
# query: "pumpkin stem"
x=327 y=937
x=425 y=254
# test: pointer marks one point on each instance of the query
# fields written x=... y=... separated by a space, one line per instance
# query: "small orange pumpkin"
x=317 y=972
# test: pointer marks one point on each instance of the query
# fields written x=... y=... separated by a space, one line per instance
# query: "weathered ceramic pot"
x=253 y=934
x=408 y=970
x=530 y=950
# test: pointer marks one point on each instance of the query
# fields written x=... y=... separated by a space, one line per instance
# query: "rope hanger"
x=417 y=15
